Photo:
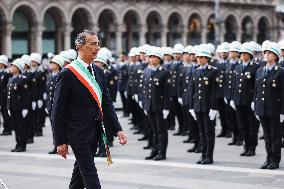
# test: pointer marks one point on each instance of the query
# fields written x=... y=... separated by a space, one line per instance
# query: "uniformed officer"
x=221 y=65
x=122 y=81
x=203 y=106
x=156 y=102
x=56 y=64
x=31 y=117
x=269 y=104
x=243 y=95
x=18 y=103
x=66 y=56
x=4 y=77
x=40 y=79
x=281 y=64
x=229 y=86
x=174 y=70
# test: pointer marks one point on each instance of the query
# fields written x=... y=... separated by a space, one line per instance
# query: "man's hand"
x=122 y=137
x=62 y=150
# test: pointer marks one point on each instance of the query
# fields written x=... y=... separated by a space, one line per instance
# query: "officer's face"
x=122 y=58
x=53 y=66
x=245 y=57
x=90 y=49
x=178 y=56
x=14 y=69
x=186 y=57
x=224 y=55
x=168 y=58
x=2 y=66
x=202 y=60
x=193 y=57
x=142 y=56
x=99 y=64
x=132 y=59
x=155 y=61
x=270 y=57
x=34 y=64
x=233 y=54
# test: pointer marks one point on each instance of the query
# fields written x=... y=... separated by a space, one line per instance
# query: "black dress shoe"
x=14 y=150
x=184 y=133
x=38 y=134
x=187 y=141
x=265 y=165
x=239 y=143
x=143 y=138
x=140 y=131
x=273 y=166
x=192 y=149
x=30 y=140
x=207 y=161
x=198 y=150
x=250 y=153
x=222 y=134
x=20 y=150
x=233 y=142
x=159 y=157
x=262 y=137
x=172 y=128
x=228 y=135
x=177 y=133
x=147 y=147
x=151 y=156
x=200 y=160
x=6 y=133
x=244 y=153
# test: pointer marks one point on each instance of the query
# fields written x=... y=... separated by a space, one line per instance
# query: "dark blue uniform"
x=122 y=85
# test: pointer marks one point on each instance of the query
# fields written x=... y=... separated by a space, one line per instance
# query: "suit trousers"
x=20 y=128
x=272 y=137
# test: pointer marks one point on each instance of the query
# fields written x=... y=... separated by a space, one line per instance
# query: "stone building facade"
x=52 y=25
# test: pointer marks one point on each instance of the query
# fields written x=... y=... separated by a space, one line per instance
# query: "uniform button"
x=263 y=85
x=241 y=79
x=230 y=82
x=150 y=84
x=220 y=85
x=199 y=91
x=230 y=76
x=149 y=90
x=199 y=97
x=150 y=96
x=240 y=85
x=262 y=99
x=199 y=79
x=240 y=91
x=150 y=79
x=262 y=92
x=184 y=90
x=199 y=85
x=9 y=97
x=229 y=87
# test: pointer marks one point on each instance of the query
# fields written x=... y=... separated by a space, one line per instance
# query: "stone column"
x=37 y=43
x=142 y=35
x=164 y=35
x=184 y=35
x=7 y=39
x=118 y=37
x=67 y=36
x=239 y=35
x=203 y=35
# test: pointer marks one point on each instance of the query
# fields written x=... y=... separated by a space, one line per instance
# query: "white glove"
x=281 y=118
x=232 y=104
x=165 y=113
x=191 y=111
x=46 y=110
x=9 y=112
x=39 y=103
x=33 y=105
x=136 y=97
x=140 y=104
x=212 y=114
x=25 y=113
x=145 y=112
x=257 y=117
x=252 y=106
x=180 y=101
x=44 y=96
x=225 y=100
x=125 y=94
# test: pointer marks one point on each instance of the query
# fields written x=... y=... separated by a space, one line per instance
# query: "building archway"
x=210 y=38
x=247 y=29
x=155 y=27
x=175 y=29
x=231 y=29
x=194 y=30
x=263 y=30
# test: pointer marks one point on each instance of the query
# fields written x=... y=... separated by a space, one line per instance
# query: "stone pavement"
x=36 y=169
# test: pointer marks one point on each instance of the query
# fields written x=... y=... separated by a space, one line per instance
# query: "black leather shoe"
x=244 y=153
x=239 y=143
x=265 y=165
x=233 y=142
x=30 y=140
x=192 y=149
x=14 y=150
x=198 y=150
x=250 y=153
x=147 y=147
x=187 y=141
x=262 y=137
x=159 y=157
x=143 y=138
x=172 y=128
x=140 y=131
x=151 y=156
x=38 y=134
x=200 y=160
x=222 y=134
x=177 y=133
x=6 y=133
x=184 y=133
x=273 y=166
x=20 y=150
x=228 y=135
x=207 y=161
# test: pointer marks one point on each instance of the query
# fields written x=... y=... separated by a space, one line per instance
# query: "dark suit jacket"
x=75 y=113
x=269 y=92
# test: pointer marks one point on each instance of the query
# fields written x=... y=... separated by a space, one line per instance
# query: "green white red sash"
x=89 y=81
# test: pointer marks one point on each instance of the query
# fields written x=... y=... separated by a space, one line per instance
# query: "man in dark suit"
x=76 y=115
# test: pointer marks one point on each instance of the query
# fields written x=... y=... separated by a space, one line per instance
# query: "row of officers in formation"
x=244 y=83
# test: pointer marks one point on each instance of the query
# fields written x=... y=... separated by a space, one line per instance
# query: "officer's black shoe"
x=239 y=143
x=184 y=133
x=187 y=141
x=192 y=149
x=14 y=150
x=143 y=138
x=159 y=157
x=262 y=137
x=265 y=165
x=273 y=166
x=38 y=133
x=147 y=147
x=228 y=135
x=177 y=133
x=200 y=160
x=198 y=150
x=30 y=140
x=140 y=131
x=6 y=133
x=207 y=161
x=172 y=128
x=244 y=152
x=20 y=149
x=233 y=142
x=250 y=153
x=222 y=134
x=151 y=156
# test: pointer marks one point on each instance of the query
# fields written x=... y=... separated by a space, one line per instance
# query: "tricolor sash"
x=89 y=81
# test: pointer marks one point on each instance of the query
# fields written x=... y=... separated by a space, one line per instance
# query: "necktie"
x=90 y=70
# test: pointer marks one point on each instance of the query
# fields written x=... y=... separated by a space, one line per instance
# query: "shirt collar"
x=204 y=66
x=246 y=63
x=82 y=62
x=269 y=67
